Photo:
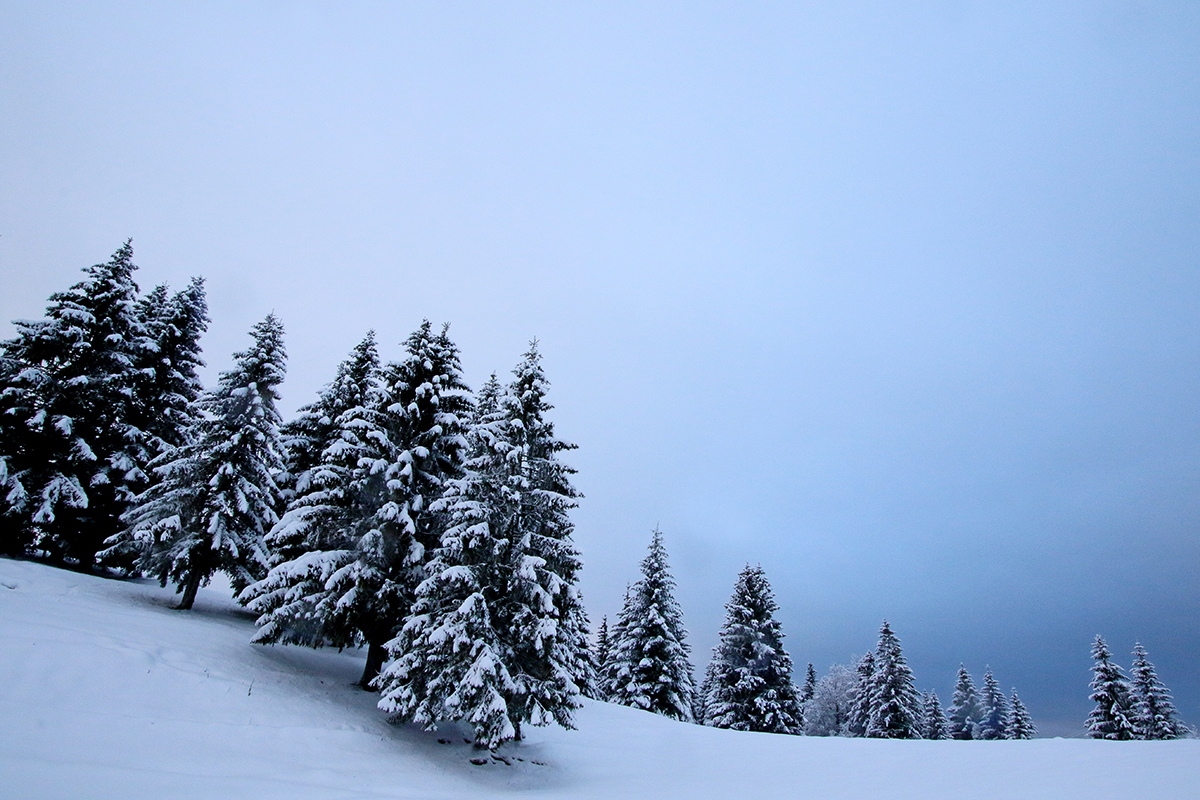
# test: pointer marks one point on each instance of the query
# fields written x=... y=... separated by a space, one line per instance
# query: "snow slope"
x=106 y=692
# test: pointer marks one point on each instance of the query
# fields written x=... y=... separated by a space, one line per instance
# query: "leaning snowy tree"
x=216 y=497
x=650 y=666
x=895 y=705
x=498 y=636
x=408 y=441
x=994 y=709
x=933 y=721
x=1154 y=715
x=1019 y=724
x=751 y=673
x=1110 y=719
x=964 y=707
x=73 y=457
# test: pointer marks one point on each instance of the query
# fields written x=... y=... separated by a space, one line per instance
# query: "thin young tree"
x=810 y=685
x=994 y=709
x=752 y=686
x=216 y=497
x=1019 y=724
x=1153 y=712
x=964 y=707
x=1112 y=716
x=895 y=705
x=651 y=669
x=603 y=654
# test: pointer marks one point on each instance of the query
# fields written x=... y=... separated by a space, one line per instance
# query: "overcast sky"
x=898 y=300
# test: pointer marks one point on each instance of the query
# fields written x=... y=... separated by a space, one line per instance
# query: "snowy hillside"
x=106 y=692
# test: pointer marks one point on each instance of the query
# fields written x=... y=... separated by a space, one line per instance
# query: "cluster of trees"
x=644 y=661
x=1137 y=707
x=399 y=511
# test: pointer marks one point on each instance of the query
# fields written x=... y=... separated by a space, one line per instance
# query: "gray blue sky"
x=897 y=299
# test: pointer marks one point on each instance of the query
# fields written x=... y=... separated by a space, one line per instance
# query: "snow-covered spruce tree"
x=895 y=704
x=1154 y=715
x=860 y=709
x=993 y=709
x=73 y=457
x=609 y=673
x=497 y=636
x=752 y=686
x=828 y=713
x=168 y=366
x=331 y=507
x=1112 y=716
x=810 y=685
x=933 y=721
x=650 y=664
x=415 y=422
x=1019 y=724
x=216 y=497
x=964 y=707
x=602 y=648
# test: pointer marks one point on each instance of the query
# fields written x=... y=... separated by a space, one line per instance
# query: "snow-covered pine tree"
x=609 y=673
x=894 y=702
x=73 y=456
x=1019 y=724
x=650 y=665
x=1154 y=715
x=860 y=709
x=330 y=508
x=169 y=363
x=602 y=657
x=503 y=580
x=216 y=496
x=752 y=686
x=810 y=685
x=933 y=721
x=415 y=426
x=1111 y=718
x=964 y=707
x=828 y=713
x=994 y=709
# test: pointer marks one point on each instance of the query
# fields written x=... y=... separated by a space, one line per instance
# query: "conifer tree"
x=409 y=440
x=933 y=723
x=994 y=709
x=860 y=709
x=216 y=497
x=1111 y=718
x=810 y=685
x=1019 y=724
x=895 y=705
x=964 y=707
x=498 y=635
x=73 y=456
x=650 y=665
x=752 y=686
x=1153 y=712
x=602 y=645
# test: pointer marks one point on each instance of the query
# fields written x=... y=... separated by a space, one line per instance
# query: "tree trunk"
x=189 y=591
x=376 y=655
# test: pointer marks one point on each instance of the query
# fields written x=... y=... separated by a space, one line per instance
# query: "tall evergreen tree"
x=964 y=707
x=216 y=497
x=1153 y=713
x=752 y=686
x=994 y=709
x=933 y=722
x=650 y=665
x=406 y=443
x=73 y=456
x=860 y=709
x=498 y=635
x=1111 y=718
x=894 y=702
x=1019 y=724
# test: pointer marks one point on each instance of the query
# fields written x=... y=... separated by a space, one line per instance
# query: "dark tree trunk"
x=376 y=655
x=189 y=591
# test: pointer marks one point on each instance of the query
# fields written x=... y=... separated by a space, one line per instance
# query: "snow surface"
x=107 y=692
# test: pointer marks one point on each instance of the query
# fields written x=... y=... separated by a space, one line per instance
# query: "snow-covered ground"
x=105 y=691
